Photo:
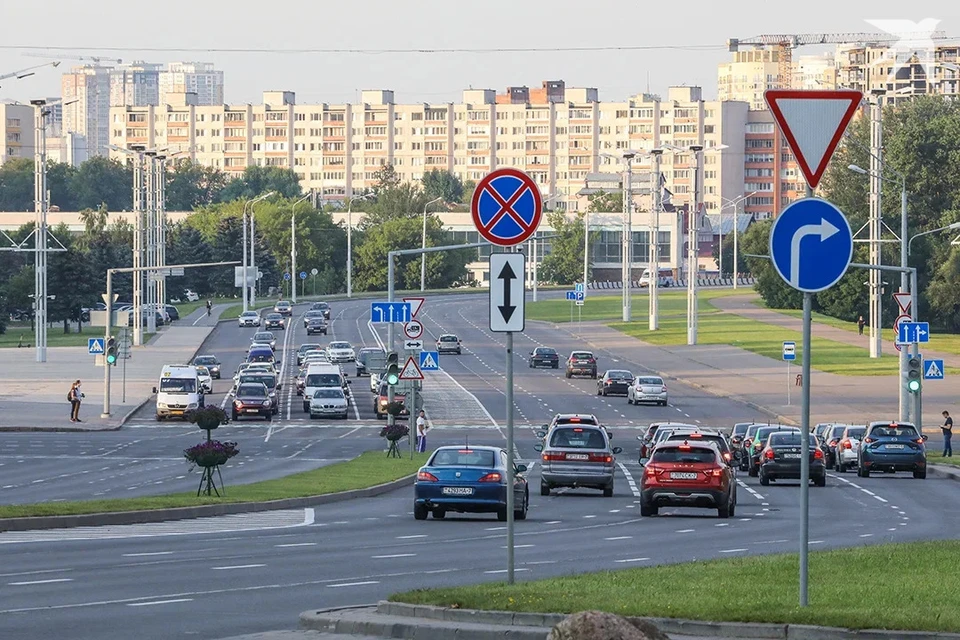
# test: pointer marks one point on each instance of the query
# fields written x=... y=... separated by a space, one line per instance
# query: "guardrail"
x=674 y=284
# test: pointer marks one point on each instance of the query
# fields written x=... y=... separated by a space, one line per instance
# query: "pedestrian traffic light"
x=914 y=373
x=393 y=368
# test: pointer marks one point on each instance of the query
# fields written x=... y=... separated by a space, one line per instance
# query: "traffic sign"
x=789 y=351
x=578 y=287
x=506 y=207
x=903 y=302
x=415 y=305
x=413 y=345
x=933 y=370
x=95 y=346
x=314 y=271
x=104 y=296
x=903 y=317
x=303 y=275
x=811 y=245
x=913 y=332
x=579 y=303
x=813 y=122
x=506 y=292
x=286 y=276
x=411 y=371
x=429 y=361
x=413 y=329
x=571 y=295
x=388 y=312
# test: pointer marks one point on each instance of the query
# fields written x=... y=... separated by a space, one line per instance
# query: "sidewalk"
x=33 y=395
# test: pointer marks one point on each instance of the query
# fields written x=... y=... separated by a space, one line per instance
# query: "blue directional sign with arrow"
x=811 y=245
x=913 y=332
x=286 y=276
x=388 y=312
x=506 y=292
x=303 y=275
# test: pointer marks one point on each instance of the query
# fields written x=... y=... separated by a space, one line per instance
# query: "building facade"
x=871 y=68
x=88 y=89
x=16 y=131
x=199 y=78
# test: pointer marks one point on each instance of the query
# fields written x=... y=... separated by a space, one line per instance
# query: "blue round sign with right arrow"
x=811 y=245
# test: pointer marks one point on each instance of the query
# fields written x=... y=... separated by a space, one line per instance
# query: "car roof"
x=448 y=335
x=891 y=423
x=696 y=444
x=581 y=351
x=469 y=447
x=575 y=418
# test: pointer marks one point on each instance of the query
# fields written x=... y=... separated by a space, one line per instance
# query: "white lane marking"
x=620 y=538
x=733 y=550
x=352 y=584
x=238 y=566
x=630 y=481
x=685 y=530
x=495 y=528
x=750 y=490
x=30 y=582
x=519 y=546
x=589 y=516
x=309 y=516
x=722 y=524
x=352 y=431
x=632 y=560
x=420 y=535
x=394 y=555
x=143 y=555
x=857 y=486
x=504 y=571
x=866 y=535
x=554 y=522
x=815 y=542
x=150 y=604
x=295 y=544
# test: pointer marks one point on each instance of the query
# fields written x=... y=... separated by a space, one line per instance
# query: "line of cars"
x=638 y=389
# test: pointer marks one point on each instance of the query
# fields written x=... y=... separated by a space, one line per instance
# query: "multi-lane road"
x=241 y=574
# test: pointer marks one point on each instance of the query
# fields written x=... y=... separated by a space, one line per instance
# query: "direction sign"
x=303 y=275
x=387 y=312
x=314 y=271
x=413 y=330
x=286 y=276
x=903 y=302
x=506 y=207
x=578 y=287
x=933 y=370
x=813 y=122
x=429 y=361
x=811 y=245
x=95 y=346
x=903 y=317
x=571 y=295
x=410 y=370
x=913 y=332
x=415 y=305
x=789 y=351
x=413 y=345
x=506 y=292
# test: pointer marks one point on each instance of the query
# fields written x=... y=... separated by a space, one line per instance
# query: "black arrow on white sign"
x=506 y=275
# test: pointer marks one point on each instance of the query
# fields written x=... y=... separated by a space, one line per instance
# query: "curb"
x=201 y=511
x=944 y=471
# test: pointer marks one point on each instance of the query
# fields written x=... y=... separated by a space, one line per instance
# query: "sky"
x=685 y=41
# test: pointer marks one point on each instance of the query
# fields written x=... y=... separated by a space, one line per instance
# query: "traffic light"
x=111 y=352
x=393 y=368
x=914 y=373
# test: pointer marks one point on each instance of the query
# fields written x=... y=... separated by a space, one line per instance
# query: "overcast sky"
x=697 y=29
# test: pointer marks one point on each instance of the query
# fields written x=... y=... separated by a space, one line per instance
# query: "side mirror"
x=617 y=450
x=154 y=389
x=640 y=438
x=541 y=434
x=546 y=426
x=538 y=447
x=531 y=353
x=924 y=438
x=349 y=381
x=520 y=468
x=276 y=363
x=279 y=386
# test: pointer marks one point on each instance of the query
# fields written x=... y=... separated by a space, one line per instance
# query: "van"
x=666 y=278
x=319 y=375
x=178 y=392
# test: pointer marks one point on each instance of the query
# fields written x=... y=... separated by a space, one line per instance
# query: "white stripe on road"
x=353 y=584
x=238 y=566
x=150 y=604
x=633 y=485
x=504 y=571
x=30 y=582
x=295 y=544
x=421 y=535
x=394 y=555
x=620 y=538
x=733 y=550
x=632 y=560
x=141 y=555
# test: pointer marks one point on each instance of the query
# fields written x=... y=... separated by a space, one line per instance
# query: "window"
x=691 y=455
x=234 y=162
x=578 y=438
x=234 y=116
x=760 y=127
x=276 y=132
x=375 y=131
x=333 y=116
x=463 y=458
x=759 y=144
x=276 y=116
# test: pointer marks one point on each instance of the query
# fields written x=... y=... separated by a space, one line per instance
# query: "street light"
x=350 y=241
x=423 y=245
x=953 y=226
x=293 y=249
x=248 y=298
x=735 y=202
x=534 y=254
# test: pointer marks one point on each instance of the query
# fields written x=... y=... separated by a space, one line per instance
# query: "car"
x=341 y=351
x=306 y=348
x=370 y=359
x=469 y=479
x=249 y=319
x=449 y=343
x=688 y=474
x=575 y=419
x=311 y=357
x=316 y=325
x=284 y=308
x=745 y=445
x=191 y=296
x=544 y=357
x=706 y=435
x=581 y=363
x=301 y=381
x=890 y=446
x=171 y=310
x=848 y=448
x=614 y=382
x=759 y=442
x=577 y=456
x=255 y=346
x=243 y=366
x=781 y=458
x=274 y=321
x=820 y=428
x=647 y=389
x=267 y=379
x=829 y=442
x=650 y=435
x=252 y=399
x=312 y=314
x=206 y=380
x=210 y=362
x=266 y=337
x=381 y=400
x=328 y=401
x=320 y=376
x=736 y=435
x=321 y=306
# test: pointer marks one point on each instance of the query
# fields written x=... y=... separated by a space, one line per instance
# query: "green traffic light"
x=111 y=358
x=913 y=385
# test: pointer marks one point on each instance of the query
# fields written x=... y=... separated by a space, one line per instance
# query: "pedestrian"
x=947 y=430
x=421 y=432
x=75 y=396
x=860 y=323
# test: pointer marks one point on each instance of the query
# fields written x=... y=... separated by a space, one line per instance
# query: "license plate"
x=176 y=413
x=894 y=446
x=458 y=491
x=681 y=475
x=791 y=455
x=252 y=410
x=577 y=456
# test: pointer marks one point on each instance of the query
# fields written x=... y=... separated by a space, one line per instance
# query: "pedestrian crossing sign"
x=933 y=370
x=95 y=346
x=429 y=361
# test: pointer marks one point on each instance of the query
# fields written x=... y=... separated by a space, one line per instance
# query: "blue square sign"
x=933 y=370
x=429 y=361
x=95 y=346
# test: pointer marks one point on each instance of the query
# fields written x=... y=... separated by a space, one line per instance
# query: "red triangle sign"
x=411 y=370
x=813 y=123
x=415 y=305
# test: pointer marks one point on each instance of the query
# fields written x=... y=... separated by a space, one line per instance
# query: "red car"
x=688 y=474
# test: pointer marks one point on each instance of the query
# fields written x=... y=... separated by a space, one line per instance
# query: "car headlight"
x=237 y=403
x=161 y=405
x=192 y=405
x=267 y=403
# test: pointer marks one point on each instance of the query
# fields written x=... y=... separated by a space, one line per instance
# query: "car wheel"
x=502 y=514
x=556 y=366
x=863 y=472
x=595 y=376
x=920 y=475
x=821 y=481
x=733 y=510
x=753 y=471
x=608 y=491
x=522 y=513
x=439 y=514
x=764 y=480
x=419 y=512
x=629 y=399
x=544 y=489
x=841 y=467
x=724 y=511
x=159 y=417
x=648 y=510
x=530 y=364
x=268 y=417
x=600 y=392
x=567 y=374
x=233 y=416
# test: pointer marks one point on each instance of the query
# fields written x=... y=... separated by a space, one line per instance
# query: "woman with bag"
x=74 y=397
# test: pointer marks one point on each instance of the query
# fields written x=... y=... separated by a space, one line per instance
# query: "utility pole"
x=160 y=206
x=293 y=249
x=139 y=198
x=150 y=229
x=627 y=233
x=41 y=205
x=653 y=312
x=692 y=246
x=876 y=187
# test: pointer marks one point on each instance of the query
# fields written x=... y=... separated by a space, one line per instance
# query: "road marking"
x=630 y=481
x=733 y=550
x=150 y=604
x=352 y=431
x=815 y=542
x=685 y=530
x=419 y=535
x=352 y=584
x=519 y=546
x=394 y=555
x=504 y=571
x=866 y=535
x=589 y=516
x=722 y=524
x=238 y=566
x=142 y=555
x=30 y=582
x=495 y=528
x=750 y=490
x=295 y=544
x=632 y=560
x=552 y=522
x=620 y=538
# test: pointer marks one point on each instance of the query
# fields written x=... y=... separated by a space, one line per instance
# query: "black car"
x=316 y=325
x=759 y=442
x=252 y=399
x=614 y=382
x=581 y=363
x=172 y=311
x=890 y=447
x=313 y=313
x=714 y=437
x=780 y=459
x=321 y=306
x=544 y=357
x=210 y=362
x=274 y=321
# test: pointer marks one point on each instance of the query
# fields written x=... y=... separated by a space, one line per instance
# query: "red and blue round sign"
x=506 y=207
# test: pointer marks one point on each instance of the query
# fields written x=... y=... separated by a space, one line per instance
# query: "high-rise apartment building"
x=88 y=89
x=135 y=84
x=16 y=131
x=870 y=68
x=199 y=78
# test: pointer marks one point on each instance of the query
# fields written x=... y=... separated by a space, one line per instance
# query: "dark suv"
x=891 y=447
x=581 y=363
x=544 y=357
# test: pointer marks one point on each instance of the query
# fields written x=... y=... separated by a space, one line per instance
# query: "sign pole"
x=788 y=383
x=805 y=450
x=510 y=460
x=126 y=355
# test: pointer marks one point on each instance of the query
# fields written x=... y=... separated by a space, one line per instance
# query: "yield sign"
x=903 y=301
x=813 y=123
x=411 y=371
x=415 y=305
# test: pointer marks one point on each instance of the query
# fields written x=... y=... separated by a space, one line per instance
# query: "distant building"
x=16 y=131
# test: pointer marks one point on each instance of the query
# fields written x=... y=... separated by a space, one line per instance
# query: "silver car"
x=249 y=319
x=647 y=389
x=266 y=337
x=577 y=456
x=328 y=402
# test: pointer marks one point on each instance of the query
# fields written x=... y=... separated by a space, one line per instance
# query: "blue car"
x=469 y=480
x=890 y=447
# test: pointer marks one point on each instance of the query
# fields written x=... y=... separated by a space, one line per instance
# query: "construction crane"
x=26 y=73
x=58 y=56
x=786 y=43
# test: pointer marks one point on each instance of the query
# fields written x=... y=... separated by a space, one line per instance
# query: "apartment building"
x=16 y=131
x=87 y=89
x=903 y=75
x=136 y=83
x=200 y=78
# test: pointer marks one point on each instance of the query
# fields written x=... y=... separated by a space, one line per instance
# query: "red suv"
x=688 y=474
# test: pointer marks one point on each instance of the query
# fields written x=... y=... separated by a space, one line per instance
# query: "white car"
x=647 y=389
x=374 y=382
x=249 y=319
x=206 y=380
x=341 y=352
x=848 y=447
x=328 y=401
x=191 y=296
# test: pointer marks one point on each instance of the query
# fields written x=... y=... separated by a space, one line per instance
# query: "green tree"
x=257 y=180
x=185 y=245
x=742 y=266
x=605 y=202
x=191 y=185
x=402 y=201
x=69 y=280
x=564 y=263
x=943 y=293
x=442 y=184
x=771 y=287
x=16 y=185
x=101 y=181
x=59 y=179
x=387 y=178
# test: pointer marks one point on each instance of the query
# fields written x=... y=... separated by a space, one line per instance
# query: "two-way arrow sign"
x=506 y=292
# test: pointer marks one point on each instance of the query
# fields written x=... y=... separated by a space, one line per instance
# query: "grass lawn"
x=367 y=470
x=934 y=457
x=610 y=307
x=917 y=592
x=55 y=336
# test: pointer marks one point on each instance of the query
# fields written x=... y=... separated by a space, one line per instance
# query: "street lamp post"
x=627 y=233
x=350 y=241
x=423 y=245
x=692 y=242
x=653 y=311
x=735 y=203
x=293 y=249
x=248 y=266
x=41 y=205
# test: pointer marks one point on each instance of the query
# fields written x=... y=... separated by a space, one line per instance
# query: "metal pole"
x=918 y=397
x=736 y=252
x=161 y=206
x=138 y=206
x=149 y=229
x=692 y=243
x=904 y=285
x=805 y=449
x=423 y=256
x=349 y=250
x=40 y=236
x=510 y=460
x=253 y=258
x=391 y=338
x=293 y=249
x=788 y=383
x=876 y=166
x=106 y=336
x=533 y=254
x=586 y=250
x=246 y=270
x=653 y=312
x=126 y=354
x=627 y=235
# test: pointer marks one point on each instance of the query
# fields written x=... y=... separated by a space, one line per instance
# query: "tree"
x=257 y=180
x=59 y=178
x=728 y=256
x=69 y=280
x=442 y=184
x=605 y=202
x=186 y=245
x=564 y=263
x=402 y=201
x=943 y=293
x=771 y=287
x=387 y=178
x=16 y=185
x=101 y=181
x=191 y=185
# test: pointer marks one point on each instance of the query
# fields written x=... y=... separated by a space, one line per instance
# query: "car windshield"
x=790 y=440
x=317 y=321
x=577 y=438
x=665 y=433
x=283 y=303
x=856 y=433
x=178 y=385
x=321 y=305
x=252 y=391
x=323 y=380
x=764 y=432
x=578 y=420
x=274 y=316
x=701 y=437
x=308 y=347
x=650 y=381
x=679 y=454
x=339 y=345
x=248 y=314
x=740 y=429
x=313 y=313
x=448 y=338
x=260 y=356
x=546 y=351
x=328 y=393
x=205 y=360
x=619 y=375
x=894 y=431
x=269 y=381
x=581 y=355
x=203 y=371
x=834 y=432
x=462 y=458
x=263 y=337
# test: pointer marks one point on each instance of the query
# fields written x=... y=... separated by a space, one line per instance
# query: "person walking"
x=421 y=432
x=860 y=323
x=209 y=307
x=947 y=430
x=75 y=396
